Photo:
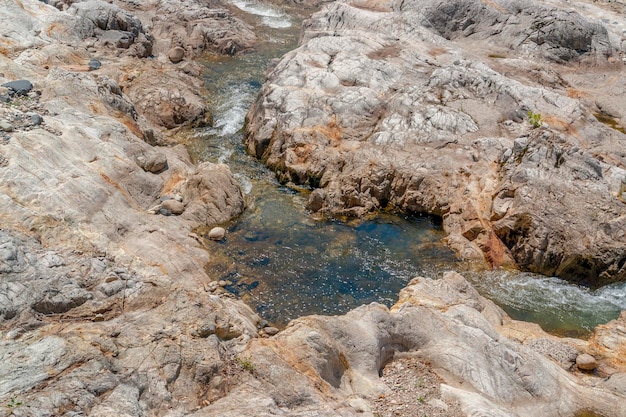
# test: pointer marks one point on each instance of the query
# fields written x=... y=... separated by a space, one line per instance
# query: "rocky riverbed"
x=503 y=118
x=106 y=307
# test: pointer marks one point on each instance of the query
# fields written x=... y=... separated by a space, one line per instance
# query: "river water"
x=286 y=264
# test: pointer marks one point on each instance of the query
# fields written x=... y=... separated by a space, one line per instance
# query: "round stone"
x=6 y=126
x=217 y=233
x=94 y=64
x=176 y=54
x=173 y=206
x=586 y=362
x=271 y=331
x=35 y=119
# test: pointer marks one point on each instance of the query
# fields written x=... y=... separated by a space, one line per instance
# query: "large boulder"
x=457 y=109
x=167 y=98
x=198 y=29
x=111 y=25
x=212 y=194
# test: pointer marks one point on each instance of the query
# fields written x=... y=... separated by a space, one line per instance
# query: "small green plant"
x=534 y=119
x=246 y=363
x=13 y=403
x=420 y=399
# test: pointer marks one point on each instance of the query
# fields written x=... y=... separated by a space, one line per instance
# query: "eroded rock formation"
x=106 y=308
x=326 y=364
x=488 y=114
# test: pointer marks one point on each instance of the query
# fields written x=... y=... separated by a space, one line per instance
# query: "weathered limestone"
x=425 y=106
x=166 y=98
x=322 y=363
x=107 y=309
x=98 y=298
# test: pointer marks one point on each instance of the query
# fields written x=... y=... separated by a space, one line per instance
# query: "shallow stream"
x=285 y=264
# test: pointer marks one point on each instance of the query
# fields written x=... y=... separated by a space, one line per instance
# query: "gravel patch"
x=415 y=392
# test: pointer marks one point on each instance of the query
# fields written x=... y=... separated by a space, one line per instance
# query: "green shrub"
x=534 y=119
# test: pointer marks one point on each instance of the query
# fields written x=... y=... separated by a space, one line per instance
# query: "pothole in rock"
x=414 y=390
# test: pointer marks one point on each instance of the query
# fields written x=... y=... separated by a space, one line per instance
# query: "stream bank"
x=286 y=264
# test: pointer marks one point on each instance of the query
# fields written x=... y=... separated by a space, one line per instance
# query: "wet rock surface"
x=484 y=114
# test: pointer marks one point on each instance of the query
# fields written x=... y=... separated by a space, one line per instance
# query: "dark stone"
x=165 y=212
x=4 y=98
x=118 y=38
x=19 y=87
x=36 y=119
x=149 y=138
x=94 y=64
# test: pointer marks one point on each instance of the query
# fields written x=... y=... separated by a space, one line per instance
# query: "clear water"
x=285 y=264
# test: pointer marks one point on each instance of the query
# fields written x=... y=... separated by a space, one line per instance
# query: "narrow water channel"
x=285 y=264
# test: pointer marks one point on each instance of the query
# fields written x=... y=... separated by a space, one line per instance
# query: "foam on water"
x=230 y=113
x=552 y=302
x=270 y=16
x=244 y=183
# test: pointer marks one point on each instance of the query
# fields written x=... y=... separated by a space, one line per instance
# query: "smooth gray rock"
x=94 y=64
x=35 y=119
x=18 y=87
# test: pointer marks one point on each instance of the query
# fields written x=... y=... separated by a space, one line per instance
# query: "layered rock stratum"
x=504 y=118
x=106 y=308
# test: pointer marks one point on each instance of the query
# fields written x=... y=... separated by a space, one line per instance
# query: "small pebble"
x=6 y=126
x=94 y=64
x=217 y=233
x=270 y=330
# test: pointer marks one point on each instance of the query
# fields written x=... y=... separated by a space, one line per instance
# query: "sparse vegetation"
x=246 y=363
x=13 y=403
x=534 y=119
